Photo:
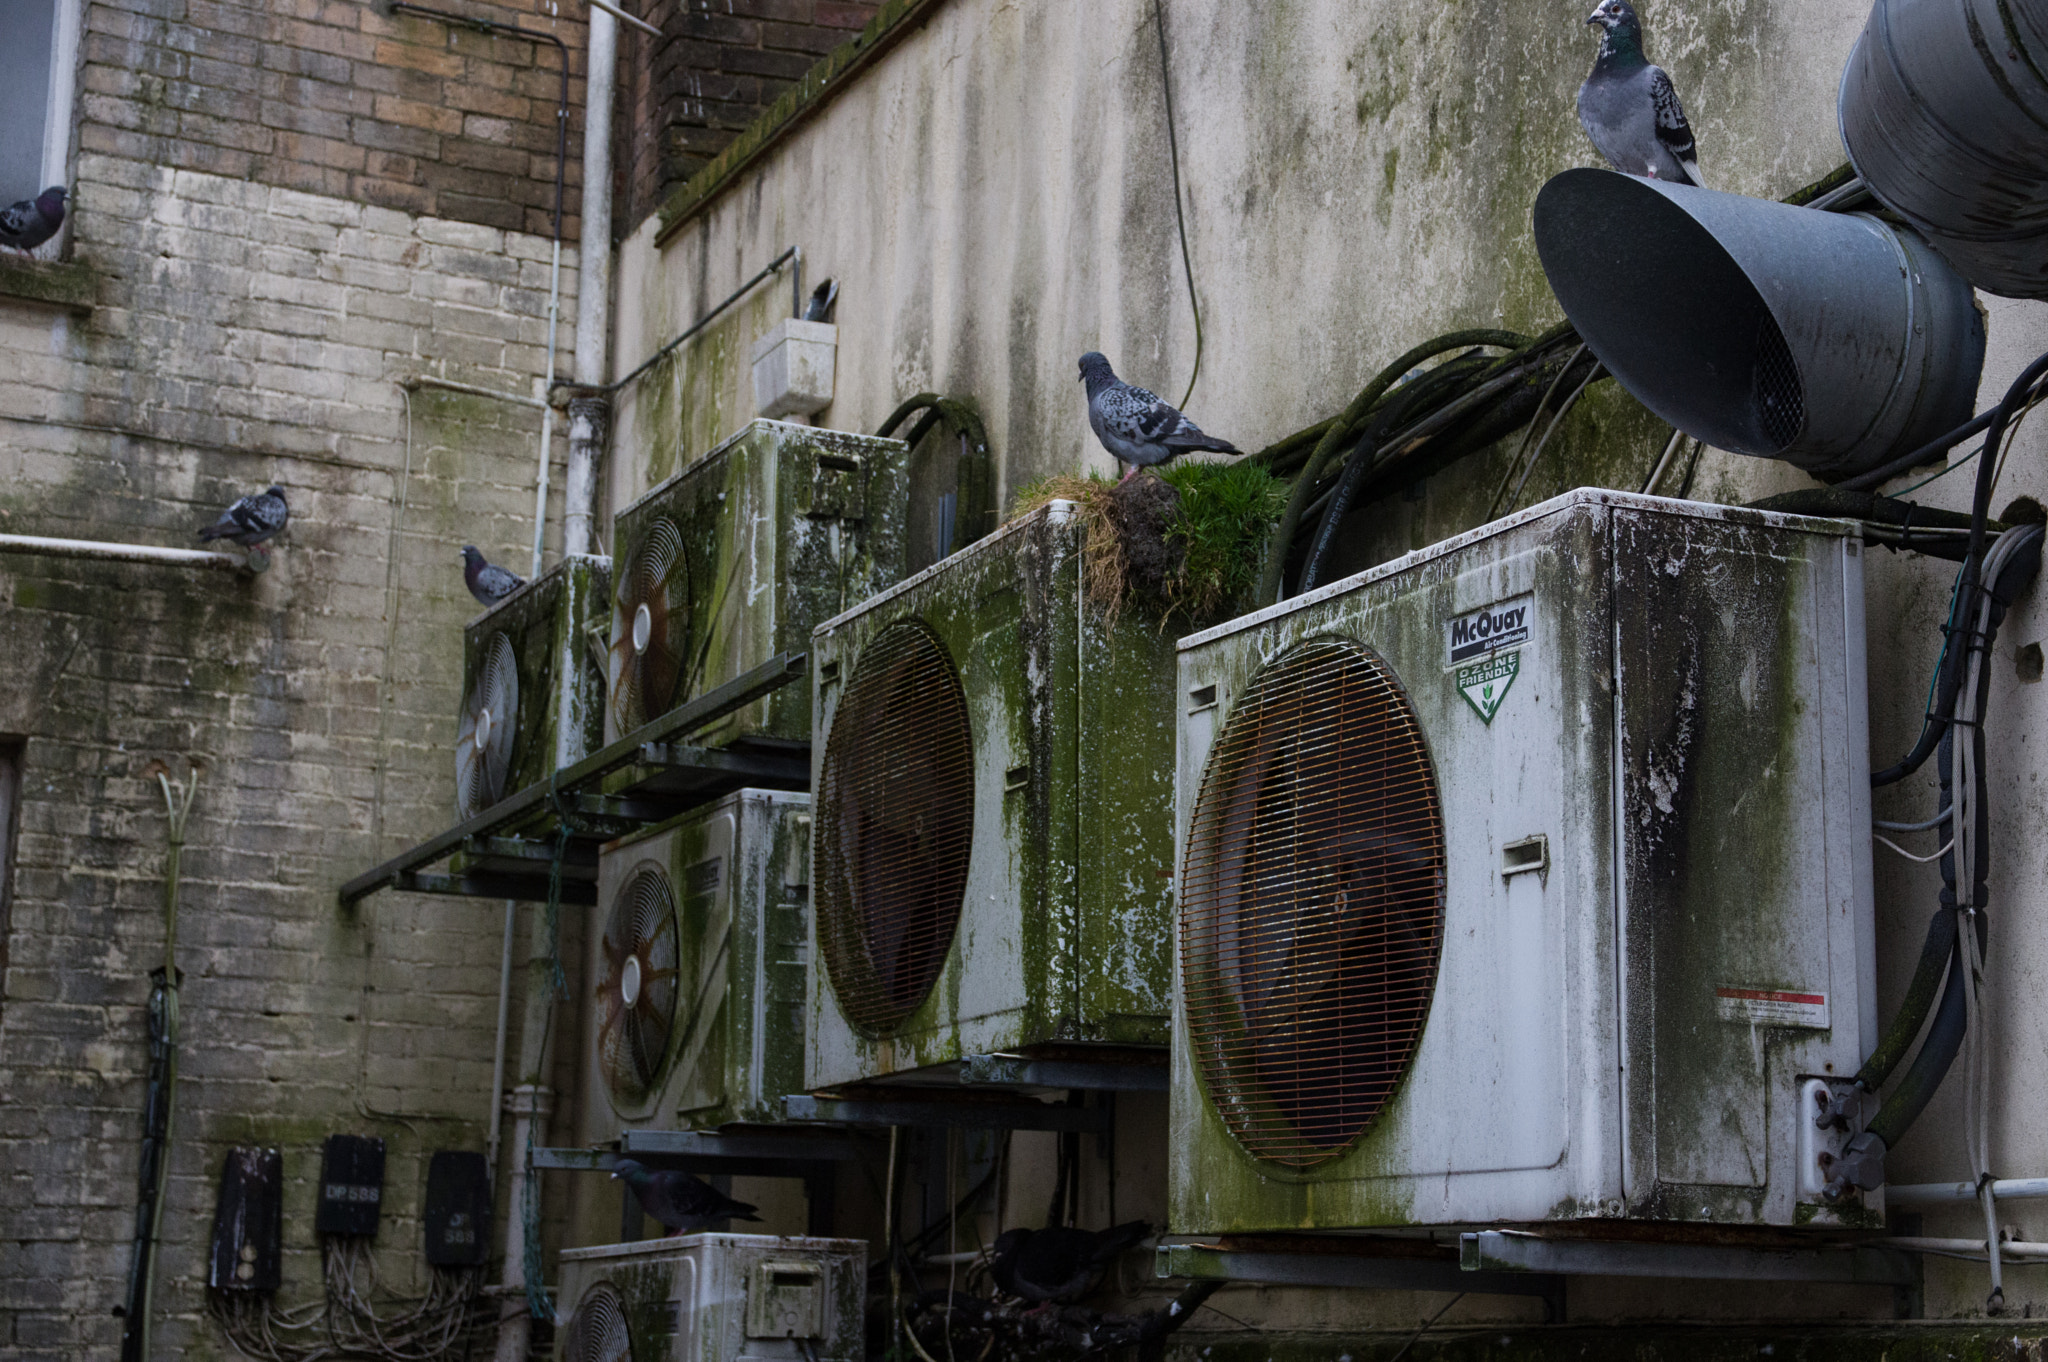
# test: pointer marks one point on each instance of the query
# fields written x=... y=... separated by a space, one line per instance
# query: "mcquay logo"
x=1487 y=631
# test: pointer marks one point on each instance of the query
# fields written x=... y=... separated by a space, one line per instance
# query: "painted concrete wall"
x=994 y=198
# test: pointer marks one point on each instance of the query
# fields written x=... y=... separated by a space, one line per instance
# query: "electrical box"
x=351 y=1185
x=457 y=1213
x=793 y=367
x=248 y=1223
x=786 y=1299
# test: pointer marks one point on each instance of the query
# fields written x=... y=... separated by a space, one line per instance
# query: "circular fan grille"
x=651 y=628
x=597 y=1331
x=483 y=746
x=1312 y=904
x=895 y=819
x=636 y=1005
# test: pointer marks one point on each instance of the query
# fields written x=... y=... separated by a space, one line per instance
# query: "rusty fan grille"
x=895 y=817
x=1312 y=904
x=636 y=1005
x=651 y=628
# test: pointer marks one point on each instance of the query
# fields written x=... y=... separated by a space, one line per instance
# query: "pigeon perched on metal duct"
x=487 y=582
x=252 y=519
x=679 y=1200
x=1628 y=107
x=1059 y=1264
x=31 y=222
x=1135 y=425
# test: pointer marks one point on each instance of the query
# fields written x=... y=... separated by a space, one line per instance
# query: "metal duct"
x=1828 y=340
x=1944 y=110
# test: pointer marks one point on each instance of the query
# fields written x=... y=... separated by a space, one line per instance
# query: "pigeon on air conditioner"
x=29 y=223
x=1137 y=426
x=1059 y=1264
x=486 y=581
x=1629 y=108
x=252 y=519
x=678 y=1200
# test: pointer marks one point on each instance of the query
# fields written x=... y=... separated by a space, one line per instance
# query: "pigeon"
x=1135 y=425
x=1059 y=1264
x=678 y=1200
x=1628 y=107
x=251 y=520
x=31 y=222
x=487 y=582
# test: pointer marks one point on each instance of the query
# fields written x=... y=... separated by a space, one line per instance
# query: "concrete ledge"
x=893 y=22
x=57 y=283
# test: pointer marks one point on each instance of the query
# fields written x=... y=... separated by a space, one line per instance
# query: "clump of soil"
x=1142 y=514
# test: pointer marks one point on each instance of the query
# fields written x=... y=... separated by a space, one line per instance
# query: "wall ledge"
x=834 y=72
x=58 y=283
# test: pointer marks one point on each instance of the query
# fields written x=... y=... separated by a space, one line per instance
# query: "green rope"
x=538 y=1303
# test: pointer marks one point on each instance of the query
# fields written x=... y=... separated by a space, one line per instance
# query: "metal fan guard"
x=633 y=1037
x=895 y=823
x=597 y=1331
x=483 y=769
x=1312 y=904
x=651 y=628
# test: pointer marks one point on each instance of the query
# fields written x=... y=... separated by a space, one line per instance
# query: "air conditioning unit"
x=737 y=558
x=713 y=1298
x=696 y=969
x=993 y=801
x=532 y=683
x=1527 y=878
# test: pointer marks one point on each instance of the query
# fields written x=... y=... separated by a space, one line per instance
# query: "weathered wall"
x=995 y=198
x=237 y=332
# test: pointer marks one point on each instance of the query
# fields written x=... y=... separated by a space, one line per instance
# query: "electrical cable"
x=1562 y=411
x=1657 y=468
x=1888 y=842
x=1187 y=262
x=1921 y=826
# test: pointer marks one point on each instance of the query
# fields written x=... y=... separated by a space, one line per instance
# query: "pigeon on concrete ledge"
x=678 y=1200
x=252 y=519
x=487 y=582
x=31 y=222
x=1135 y=425
x=1628 y=107
x=1059 y=1264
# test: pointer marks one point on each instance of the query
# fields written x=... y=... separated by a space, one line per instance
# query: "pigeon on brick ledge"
x=486 y=581
x=252 y=519
x=678 y=1200
x=1135 y=425
x=1628 y=107
x=31 y=222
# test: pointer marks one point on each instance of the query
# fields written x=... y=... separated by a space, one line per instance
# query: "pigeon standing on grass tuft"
x=678 y=1200
x=1628 y=107
x=487 y=582
x=1135 y=425
x=31 y=222
x=1059 y=1264
x=251 y=520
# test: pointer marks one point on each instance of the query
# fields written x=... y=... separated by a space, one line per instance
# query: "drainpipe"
x=530 y=1103
x=593 y=287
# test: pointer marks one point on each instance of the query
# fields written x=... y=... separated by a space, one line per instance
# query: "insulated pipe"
x=594 y=272
x=120 y=553
x=1946 y=1193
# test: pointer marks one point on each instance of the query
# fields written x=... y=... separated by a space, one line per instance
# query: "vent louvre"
x=895 y=818
x=651 y=628
x=1780 y=397
x=636 y=1005
x=1311 y=904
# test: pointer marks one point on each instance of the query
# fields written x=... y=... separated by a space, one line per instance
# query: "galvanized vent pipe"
x=1944 y=110
x=1829 y=340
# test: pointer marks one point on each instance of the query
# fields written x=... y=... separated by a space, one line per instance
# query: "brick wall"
x=723 y=63
x=337 y=97
x=240 y=332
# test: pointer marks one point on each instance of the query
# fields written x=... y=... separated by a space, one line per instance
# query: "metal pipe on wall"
x=594 y=282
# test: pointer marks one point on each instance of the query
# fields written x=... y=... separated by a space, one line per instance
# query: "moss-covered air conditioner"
x=737 y=558
x=1527 y=879
x=992 y=843
x=695 y=971
x=714 y=1298
x=532 y=683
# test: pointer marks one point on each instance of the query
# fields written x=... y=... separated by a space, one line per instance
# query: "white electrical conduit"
x=1941 y=1193
x=120 y=553
x=415 y=382
x=624 y=17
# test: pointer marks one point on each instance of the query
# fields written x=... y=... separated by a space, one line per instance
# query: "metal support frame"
x=913 y=1107
x=531 y=810
x=1385 y=1265
x=1025 y=1072
x=1516 y=1251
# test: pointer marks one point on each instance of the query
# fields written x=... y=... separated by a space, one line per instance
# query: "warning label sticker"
x=1772 y=1007
x=1485 y=684
x=1477 y=633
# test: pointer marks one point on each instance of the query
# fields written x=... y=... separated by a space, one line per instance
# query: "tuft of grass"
x=1223 y=518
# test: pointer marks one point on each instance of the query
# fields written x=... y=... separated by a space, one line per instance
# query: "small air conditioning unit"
x=696 y=969
x=713 y=1298
x=737 y=558
x=1527 y=878
x=992 y=849
x=532 y=683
